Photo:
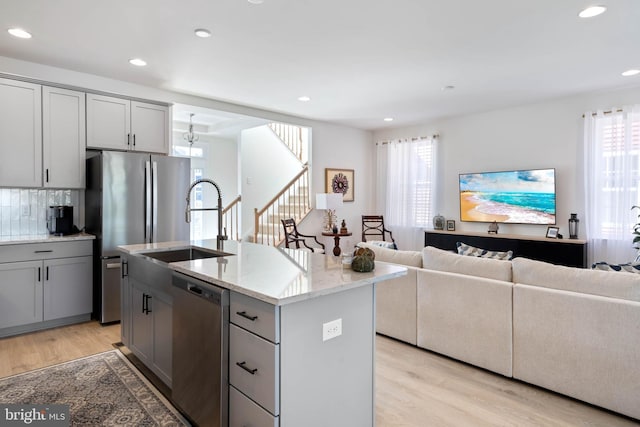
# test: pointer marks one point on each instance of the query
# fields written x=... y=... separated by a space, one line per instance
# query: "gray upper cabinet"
x=150 y=127
x=20 y=134
x=120 y=124
x=63 y=138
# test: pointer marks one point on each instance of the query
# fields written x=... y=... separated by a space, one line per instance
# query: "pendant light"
x=190 y=137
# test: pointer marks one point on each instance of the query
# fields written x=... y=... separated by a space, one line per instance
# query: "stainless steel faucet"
x=220 y=236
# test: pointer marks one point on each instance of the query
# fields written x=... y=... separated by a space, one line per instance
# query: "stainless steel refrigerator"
x=131 y=198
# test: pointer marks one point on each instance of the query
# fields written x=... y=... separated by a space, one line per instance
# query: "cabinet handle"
x=246 y=316
x=47 y=173
x=134 y=139
x=145 y=304
x=122 y=271
x=243 y=365
x=38 y=274
x=128 y=139
x=46 y=277
x=43 y=252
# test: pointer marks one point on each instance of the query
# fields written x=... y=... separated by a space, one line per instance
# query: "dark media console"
x=569 y=252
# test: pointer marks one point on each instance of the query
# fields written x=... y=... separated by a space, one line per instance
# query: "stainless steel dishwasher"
x=200 y=374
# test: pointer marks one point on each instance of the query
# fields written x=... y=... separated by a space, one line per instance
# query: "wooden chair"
x=373 y=226
x=293 y=236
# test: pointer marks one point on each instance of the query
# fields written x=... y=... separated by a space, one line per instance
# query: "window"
x=612 y=177
x=406 y=187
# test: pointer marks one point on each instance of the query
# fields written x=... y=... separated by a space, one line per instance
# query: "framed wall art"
x=340 y=181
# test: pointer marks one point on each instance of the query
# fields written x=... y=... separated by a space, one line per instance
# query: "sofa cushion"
x=464 y=249
x=393 y=256
x=441 y=260
x=627 y=268
x=603 y=283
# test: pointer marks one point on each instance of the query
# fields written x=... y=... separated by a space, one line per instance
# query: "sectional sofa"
x=570 y=330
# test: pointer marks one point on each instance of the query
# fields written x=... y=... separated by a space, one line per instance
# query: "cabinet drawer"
x=245 y=412
x=254 y=368
x=256 y=316
x=37 y=251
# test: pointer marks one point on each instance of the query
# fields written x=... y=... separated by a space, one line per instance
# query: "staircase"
x=293 y=201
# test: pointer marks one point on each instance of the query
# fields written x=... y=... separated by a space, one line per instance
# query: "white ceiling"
x=359 y=61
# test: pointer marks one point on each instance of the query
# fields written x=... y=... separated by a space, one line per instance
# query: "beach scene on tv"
x=519 y=197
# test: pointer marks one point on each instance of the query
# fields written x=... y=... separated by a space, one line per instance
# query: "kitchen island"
x=301 y=329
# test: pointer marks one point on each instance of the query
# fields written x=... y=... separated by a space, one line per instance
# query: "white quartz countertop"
x=43 y=238
x=275 y=275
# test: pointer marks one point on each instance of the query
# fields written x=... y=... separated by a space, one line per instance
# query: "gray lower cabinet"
x=44 y=285
x=20 y=293
x=147 y=317
x=282 y=370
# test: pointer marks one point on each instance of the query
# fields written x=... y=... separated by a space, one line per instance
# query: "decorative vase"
x=438 y=222
x=573 y=226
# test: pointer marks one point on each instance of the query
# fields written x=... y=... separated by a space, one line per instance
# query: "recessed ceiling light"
x=388 y=119
x=203 y=33
x=256 y=1
x=137 y=62
x=630 y=73
x=304 y=99
x=449 y=87
x=592 y=11
x=19 y=32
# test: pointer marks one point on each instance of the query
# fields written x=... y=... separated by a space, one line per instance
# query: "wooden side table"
x=336 y=240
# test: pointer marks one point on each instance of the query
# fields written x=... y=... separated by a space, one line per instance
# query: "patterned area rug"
x=104 y=389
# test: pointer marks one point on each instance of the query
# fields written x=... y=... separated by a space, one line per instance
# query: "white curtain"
x=406 y=185
x=612 y=175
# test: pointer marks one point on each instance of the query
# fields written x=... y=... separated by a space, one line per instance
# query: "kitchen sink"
x=184 y=254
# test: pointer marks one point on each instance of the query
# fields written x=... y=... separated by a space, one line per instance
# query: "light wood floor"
x=414 y=388
x=26 y=352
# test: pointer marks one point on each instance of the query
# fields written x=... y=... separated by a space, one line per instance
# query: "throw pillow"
x=464 y=249
x=383 y=244
x=629 y=267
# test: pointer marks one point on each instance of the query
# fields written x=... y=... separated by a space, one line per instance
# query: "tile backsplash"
x=24 y=211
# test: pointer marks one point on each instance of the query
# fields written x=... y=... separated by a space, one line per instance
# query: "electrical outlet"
x=26 y=210
x=331 y=329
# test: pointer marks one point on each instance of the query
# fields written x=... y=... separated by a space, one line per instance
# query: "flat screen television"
x=517 y=197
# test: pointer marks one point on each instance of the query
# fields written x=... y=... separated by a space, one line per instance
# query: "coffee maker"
x=60 y=220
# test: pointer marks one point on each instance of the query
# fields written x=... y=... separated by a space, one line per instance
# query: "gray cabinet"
x=120 y=124
x=44 y=285
x=42 y=136
x=147 y=316
x=67 y=287
x=20 y=293
x=63 y=138
x=282 y=370
x=20 y=134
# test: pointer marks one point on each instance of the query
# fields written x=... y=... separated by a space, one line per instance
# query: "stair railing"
x=288 y=203
x=231 y=218
x=291 y=135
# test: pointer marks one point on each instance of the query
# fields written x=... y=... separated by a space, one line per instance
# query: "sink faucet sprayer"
x=220 y=236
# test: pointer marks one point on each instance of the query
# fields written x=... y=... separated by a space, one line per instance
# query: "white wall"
x=334 y=146
x=545 y=135
x=266 y=166
x=344 y=148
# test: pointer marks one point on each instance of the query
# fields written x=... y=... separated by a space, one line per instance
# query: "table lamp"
x=329 y=202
